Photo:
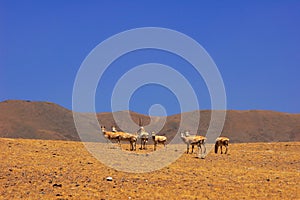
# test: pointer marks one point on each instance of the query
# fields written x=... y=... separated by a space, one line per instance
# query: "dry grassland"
x=37 y=169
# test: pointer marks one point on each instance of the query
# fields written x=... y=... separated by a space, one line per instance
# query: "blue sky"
x=255 y=45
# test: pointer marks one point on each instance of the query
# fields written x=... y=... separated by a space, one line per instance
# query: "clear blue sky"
x=255 y=44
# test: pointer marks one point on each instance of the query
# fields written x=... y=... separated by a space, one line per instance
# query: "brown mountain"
x=36 y=120
x=43 y=120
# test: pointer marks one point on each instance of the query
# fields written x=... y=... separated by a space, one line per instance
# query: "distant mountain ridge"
x=49 y=121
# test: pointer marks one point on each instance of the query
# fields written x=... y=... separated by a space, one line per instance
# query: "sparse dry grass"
x=37 y=169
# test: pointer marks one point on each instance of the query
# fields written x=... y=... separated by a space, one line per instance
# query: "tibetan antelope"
x=110 y=135
x=126 y=137
x=158 y=140
x=220 y=142
x=194 y=140
x=142 y=135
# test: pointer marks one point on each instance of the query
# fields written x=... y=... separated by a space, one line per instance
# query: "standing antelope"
x=158 y=139
x=193 y=140
x=142 y=135
x=126 y=137
x=220 y=142
x=111 y=135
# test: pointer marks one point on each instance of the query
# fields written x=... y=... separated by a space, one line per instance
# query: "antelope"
x=111 y=135
x=127 y=137
x=220 y=142
x=193 y=140
x=158 y=139
x=143 y=135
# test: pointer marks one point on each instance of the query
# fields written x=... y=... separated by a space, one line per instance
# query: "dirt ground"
x=40 y=169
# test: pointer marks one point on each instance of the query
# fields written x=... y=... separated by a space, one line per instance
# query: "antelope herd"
x=143 y=136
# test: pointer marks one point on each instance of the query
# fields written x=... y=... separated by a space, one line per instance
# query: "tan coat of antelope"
x=110 y=135
x=126 y=137
x=220 y=142
x=158 y=140
x=194 y=140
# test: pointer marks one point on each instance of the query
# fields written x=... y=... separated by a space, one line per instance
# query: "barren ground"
x=37 y=169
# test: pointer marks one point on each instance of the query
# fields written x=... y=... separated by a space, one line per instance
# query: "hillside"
x=44 y=120
x=36 y=120
x=251 y=126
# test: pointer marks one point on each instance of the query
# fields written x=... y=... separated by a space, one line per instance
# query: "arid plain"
x=46 y=169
